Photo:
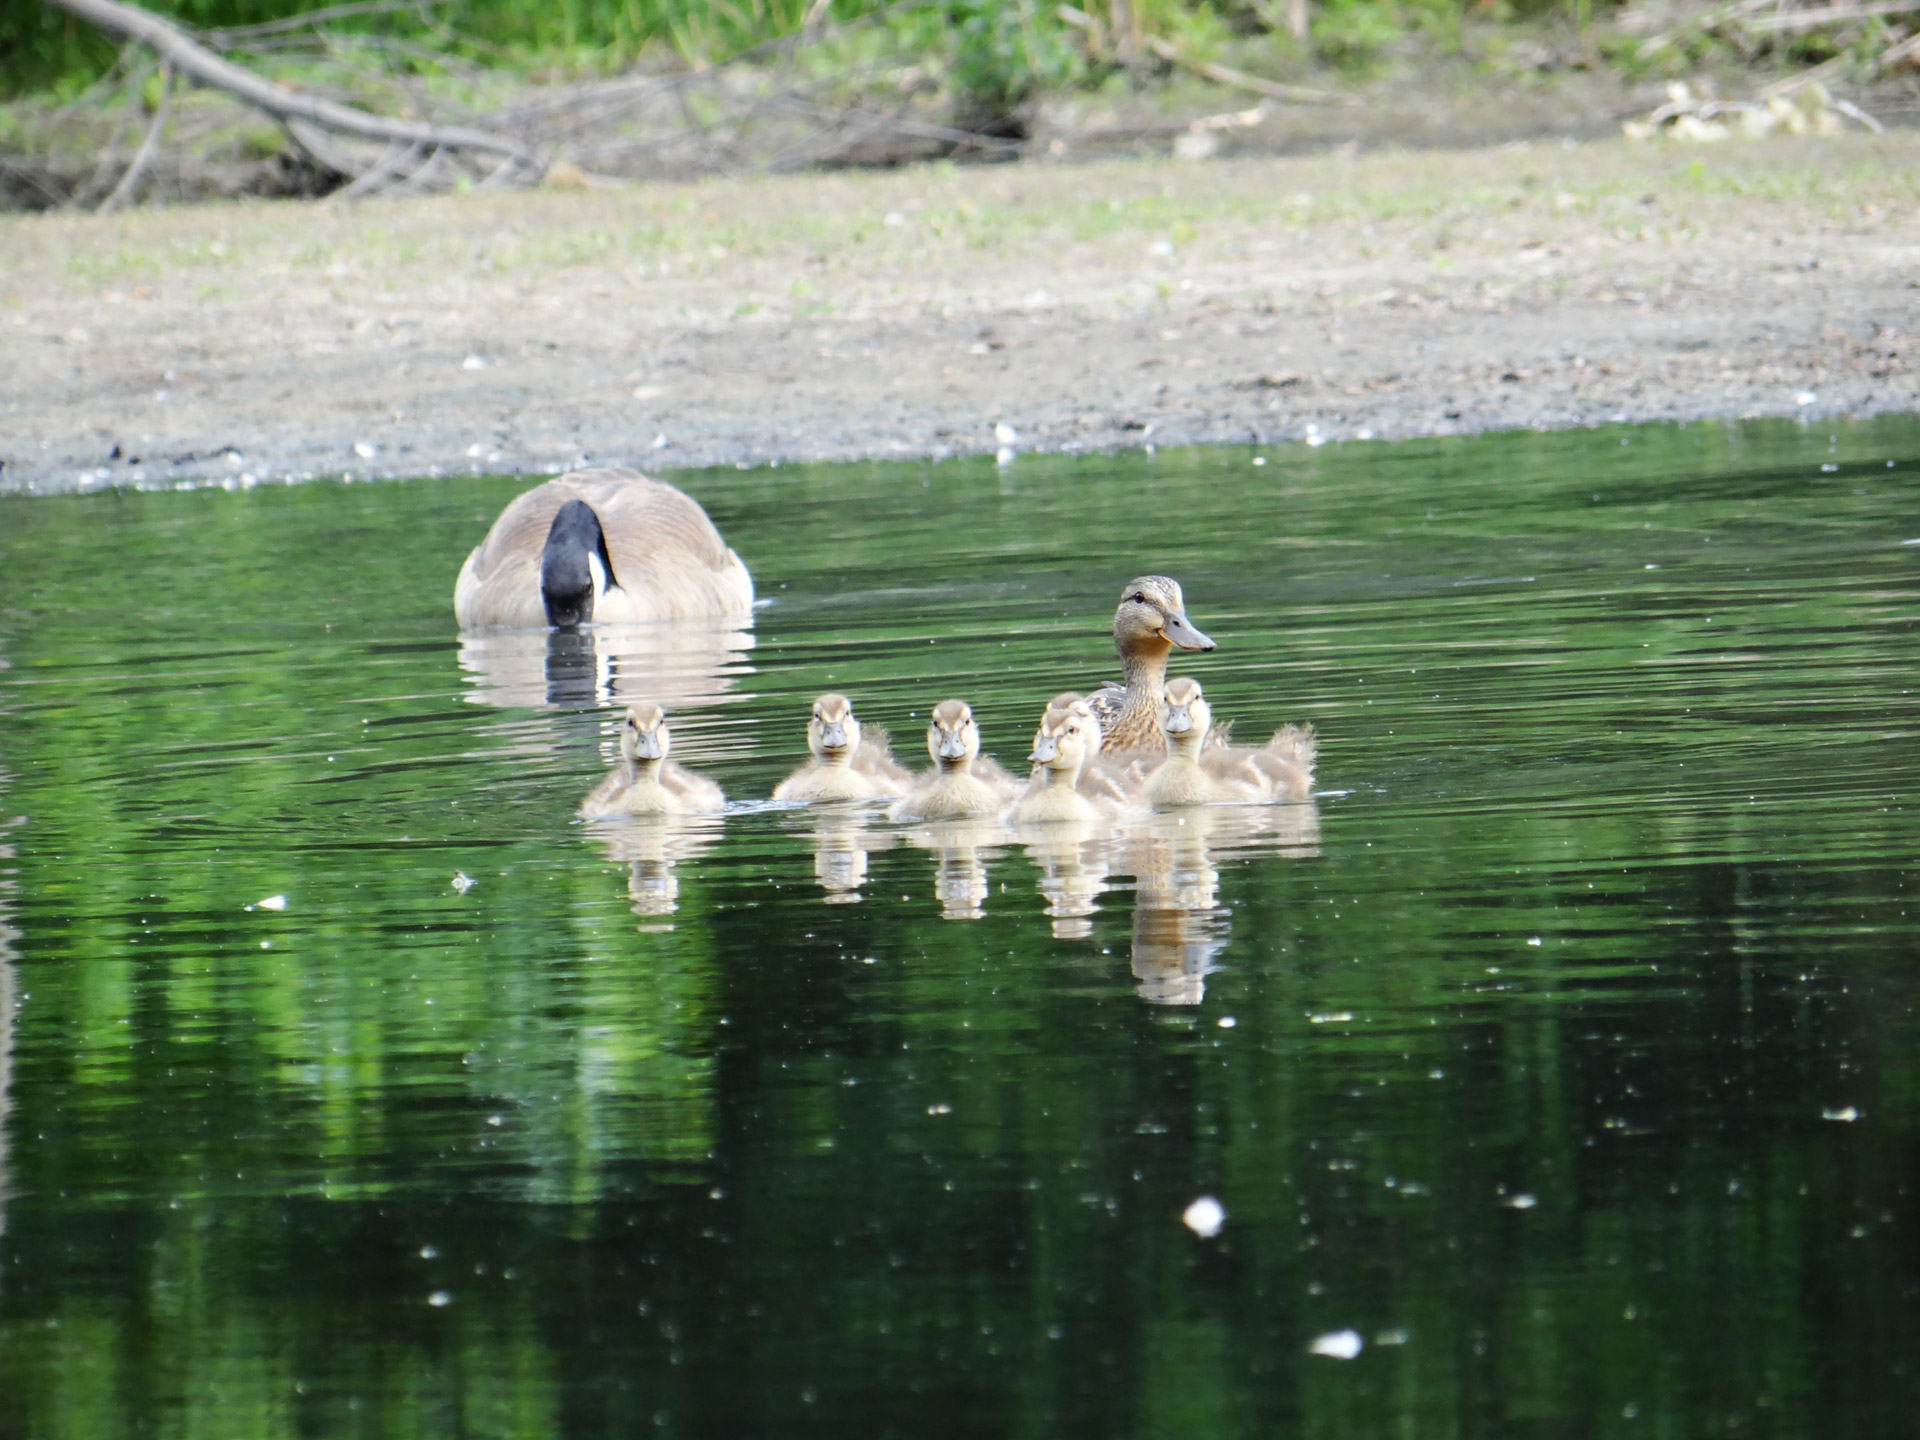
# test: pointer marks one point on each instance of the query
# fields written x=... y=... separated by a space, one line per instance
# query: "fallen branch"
x=144 y=155
x=1239 y=79
x=1820 y=18
x=291 y=109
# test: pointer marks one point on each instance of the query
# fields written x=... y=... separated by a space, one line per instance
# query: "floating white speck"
x=1534 y=940
x=939 y=1109
x=272 y=902
x=1004 y=455
x=474 y=452
x=1226 y=1022
x=1004 y=432
x=1331 y=1017
x=660 y=441
x=429 y=1252
x=474 y=362
x=364 y=450
x=463 y=882
x=1521 y=1202
x=1338 y=1344
x=496 y=1121
x=1259 y=460
x=1804 y=397
x=1204 y=1217
x=1846 y=1114
x=440 y=1299
x=1363 y=434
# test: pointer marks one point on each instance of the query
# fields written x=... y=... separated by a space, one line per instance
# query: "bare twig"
x=144 y=155
x=199 y=63
x=1239 y=79
x=396 y=159
x=1819 y=18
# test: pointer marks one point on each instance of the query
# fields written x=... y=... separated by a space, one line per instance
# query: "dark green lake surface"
x=1566 y=1050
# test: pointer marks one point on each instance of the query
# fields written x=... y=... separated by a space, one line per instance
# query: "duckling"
x=961 y=782
x=1068 y=738
x=647 y=782
x=597 y=545
x=1282 y=769
x=846 y=764
x=1150 y=621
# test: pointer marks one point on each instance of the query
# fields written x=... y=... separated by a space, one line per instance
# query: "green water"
x=1572 y=1062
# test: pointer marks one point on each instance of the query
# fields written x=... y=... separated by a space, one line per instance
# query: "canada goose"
x=647 y=782
x=605 y=544
x=961 y=783
x=1150 y=621
x=1067 y=738
x=847 y=764
x=1192 y=774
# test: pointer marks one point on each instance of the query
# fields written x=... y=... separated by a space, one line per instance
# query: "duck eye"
x=1138 y=598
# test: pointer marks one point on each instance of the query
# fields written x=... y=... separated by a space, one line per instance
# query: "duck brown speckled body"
x=1149 y=623
x=848 y=763
x=961 y=784
x=1193 y=774
x=647 y=782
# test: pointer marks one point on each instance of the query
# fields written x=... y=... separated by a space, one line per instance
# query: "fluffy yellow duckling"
x=846 y=764
x=1150 y=621
x=647 y=782
x=1193 y=774
x=1068 y=738
x=960 y=784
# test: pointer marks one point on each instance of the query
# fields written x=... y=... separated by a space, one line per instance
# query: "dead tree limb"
x=1237 y=79
x=197 y=62
x=143 y=157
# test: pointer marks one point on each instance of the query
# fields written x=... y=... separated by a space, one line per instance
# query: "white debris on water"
x=1226 y=1022
x=1204 y=1217
x=1331 y=1017
x=1521 y=1202
x=1004 y=433
x=463 y=882
x=440 y=1299
x=365 y=450
x=1338 y=1344
x=1534 y=940
x=272 y=902
x=1846 y=1115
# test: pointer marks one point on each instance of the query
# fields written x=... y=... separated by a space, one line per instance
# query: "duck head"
x=644 y=735
x=575 y=568
x=833 y=734
x=1152 y=618
x=952 y=738
x=1067 y=737
x=1185 y=716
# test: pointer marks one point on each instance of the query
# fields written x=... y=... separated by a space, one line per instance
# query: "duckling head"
x=1067 y=736
x=643 y=734
x=1185 y=716
x=953 y=740
x=833 y=734
x=575 y=569
x=1152 y=619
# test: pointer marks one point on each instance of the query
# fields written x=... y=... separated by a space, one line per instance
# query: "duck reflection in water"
x=843 y=836
x=961 y=851
x=1179 y=925
x=652 y=847
x=9 y=993
x=672 y=663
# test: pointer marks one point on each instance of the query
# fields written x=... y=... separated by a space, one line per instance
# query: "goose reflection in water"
x=651 y=847
x=843 y=836
x=675 y=664
x=961 y=851
x=1179 y=925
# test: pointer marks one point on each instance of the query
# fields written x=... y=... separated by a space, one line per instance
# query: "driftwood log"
x=309 y=119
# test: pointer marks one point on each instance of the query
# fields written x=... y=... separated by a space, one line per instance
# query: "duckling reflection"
x=651 y=847
x=1073 y=858
x=9 y=989
x=672 y=663
x=961 y=850
x=1179 y=925
x=842 y=839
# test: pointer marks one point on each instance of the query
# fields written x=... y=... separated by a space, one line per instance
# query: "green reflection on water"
x=682 y=1148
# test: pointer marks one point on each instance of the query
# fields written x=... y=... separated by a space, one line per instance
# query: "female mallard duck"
x=1067 y=739
x=605 y=544
x=1151 y=621
x=846 y=764
x=961 y=783
x=1192 y=774
x=647 y=782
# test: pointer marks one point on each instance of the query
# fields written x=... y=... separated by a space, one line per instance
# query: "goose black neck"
x=574 y=540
